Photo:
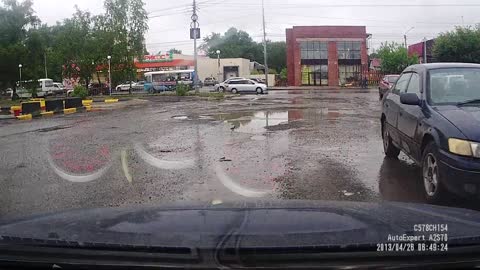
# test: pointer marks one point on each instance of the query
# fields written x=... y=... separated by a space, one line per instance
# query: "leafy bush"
x=284 y=74
x=80 y=91
x=182 y=89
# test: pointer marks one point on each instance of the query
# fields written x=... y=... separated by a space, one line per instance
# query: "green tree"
x=15 y=20
x=238 y=44
x=233 y=44
x=277 y=55
x=395 y=58
x=459 y=45
x=175 y=51
x=77 y=47
x=127 y=21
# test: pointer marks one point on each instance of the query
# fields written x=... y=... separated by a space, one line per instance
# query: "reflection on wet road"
x=311 y=145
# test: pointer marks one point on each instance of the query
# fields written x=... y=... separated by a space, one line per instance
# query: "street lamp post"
x=20 y=67
x=218 y=57
x=405 y=37
x=109 y=75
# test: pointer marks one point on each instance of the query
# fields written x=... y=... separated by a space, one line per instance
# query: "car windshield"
x=454 y=85
x=221 y=131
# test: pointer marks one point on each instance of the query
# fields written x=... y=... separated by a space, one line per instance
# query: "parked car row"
x=210 y=81
x=43 y=88
x=136 y=86
x=432 y=114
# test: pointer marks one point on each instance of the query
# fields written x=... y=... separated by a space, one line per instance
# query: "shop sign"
x=166 y=57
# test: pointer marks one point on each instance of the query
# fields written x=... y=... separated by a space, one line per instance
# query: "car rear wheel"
x=259 y=91
x=391 y=150
x=434 y=190
x=234 y=91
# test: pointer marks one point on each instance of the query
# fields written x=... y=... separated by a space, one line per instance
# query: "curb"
x=44 y=114
x=111 y=101
x=87 y=107
x=70 y=111
x=25 y=117
x=87 y=102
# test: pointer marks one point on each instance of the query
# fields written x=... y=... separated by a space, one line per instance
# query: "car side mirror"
x=410 y=99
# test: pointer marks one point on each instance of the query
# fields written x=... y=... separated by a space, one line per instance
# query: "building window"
x=349 y=49
x=313 y=50
x=349 y=73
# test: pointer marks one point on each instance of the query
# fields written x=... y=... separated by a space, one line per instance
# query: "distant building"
x=375 y=64
x=207 y=67
x=418 y=49
x=326 y=55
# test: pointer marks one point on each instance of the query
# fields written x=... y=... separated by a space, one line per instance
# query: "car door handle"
x=401 y=114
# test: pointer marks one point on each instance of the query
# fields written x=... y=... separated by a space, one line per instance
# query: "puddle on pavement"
x=254 y=123
x=263 y=121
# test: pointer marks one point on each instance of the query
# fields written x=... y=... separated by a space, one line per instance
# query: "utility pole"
x=425 y=60
x=46 y=74
x=405 y=37
x=265 y=44
x=196 y=33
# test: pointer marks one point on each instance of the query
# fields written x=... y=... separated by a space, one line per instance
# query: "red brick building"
x=326 y=55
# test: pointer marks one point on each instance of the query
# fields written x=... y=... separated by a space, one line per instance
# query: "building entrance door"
x=315 y=79
x=314 y=75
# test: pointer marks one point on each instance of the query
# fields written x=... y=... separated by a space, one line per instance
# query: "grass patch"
x=7 y=102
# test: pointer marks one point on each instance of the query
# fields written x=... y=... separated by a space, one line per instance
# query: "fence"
x=374 y=77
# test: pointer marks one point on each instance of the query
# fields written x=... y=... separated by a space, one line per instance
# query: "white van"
x=59 y=88
x=46 y=88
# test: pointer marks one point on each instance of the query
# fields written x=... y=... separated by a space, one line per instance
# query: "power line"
x=184 y=6
x=354 y=5
x=169 y=14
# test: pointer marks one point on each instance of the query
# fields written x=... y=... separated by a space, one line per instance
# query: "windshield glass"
x=454 y=85
x=392 y=79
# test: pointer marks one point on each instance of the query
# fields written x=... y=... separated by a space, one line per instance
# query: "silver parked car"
x=245 y=85
x=221 y=87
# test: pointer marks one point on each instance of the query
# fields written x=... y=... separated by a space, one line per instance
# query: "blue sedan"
x=432 y=114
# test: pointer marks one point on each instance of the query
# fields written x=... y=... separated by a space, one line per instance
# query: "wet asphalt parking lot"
x=307 y=145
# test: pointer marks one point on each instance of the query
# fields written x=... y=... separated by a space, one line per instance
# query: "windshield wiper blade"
x=472 y=101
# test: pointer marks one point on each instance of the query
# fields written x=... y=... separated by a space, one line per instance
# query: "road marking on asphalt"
x=236 y=188
x=125 y=166
x=164 y=164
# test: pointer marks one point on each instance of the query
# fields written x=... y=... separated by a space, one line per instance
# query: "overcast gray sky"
x=386 y=20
